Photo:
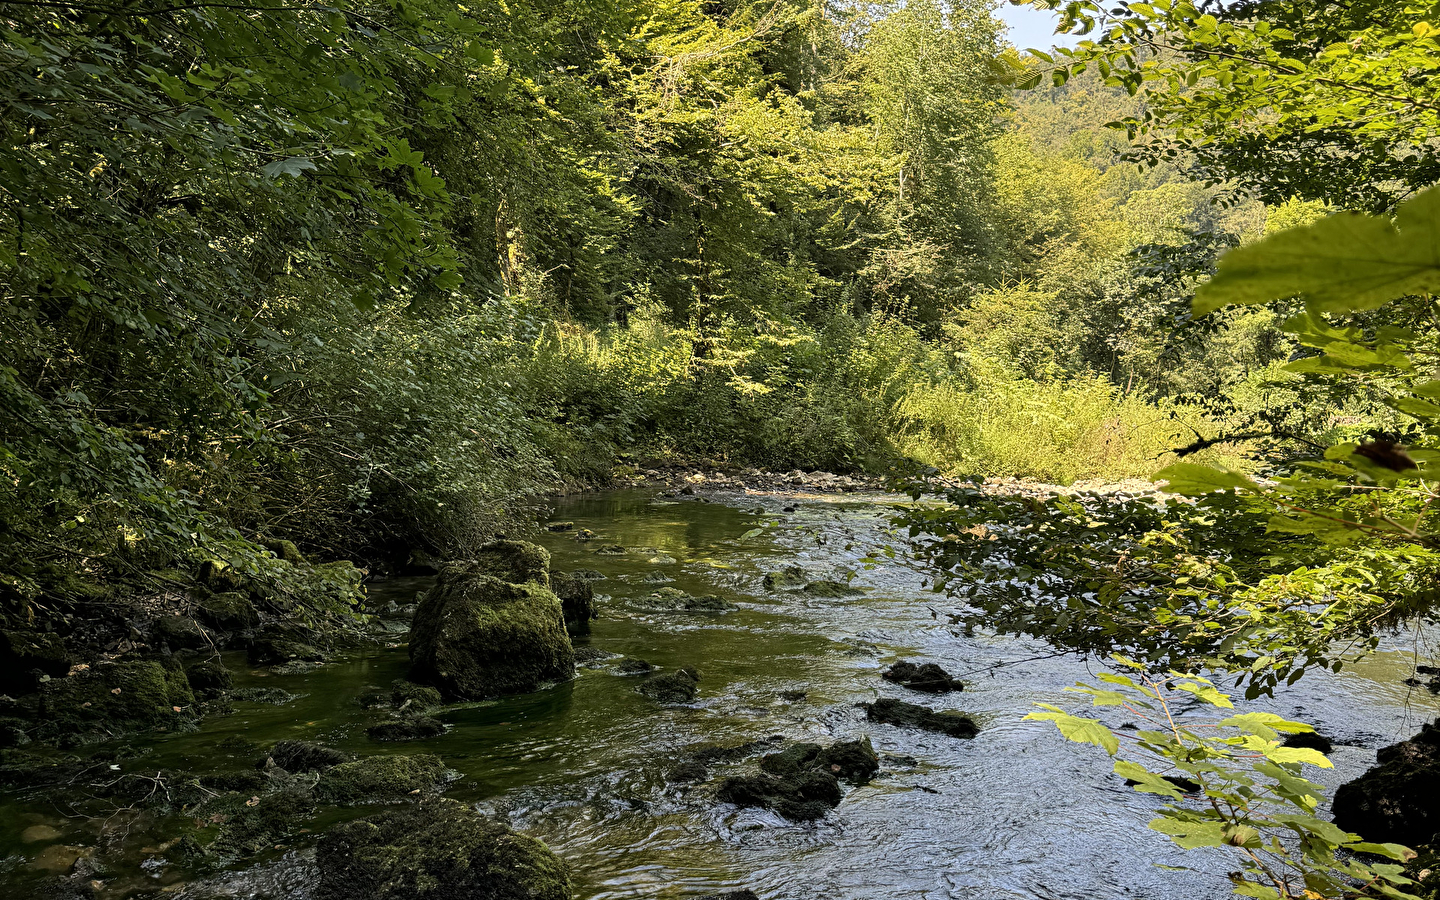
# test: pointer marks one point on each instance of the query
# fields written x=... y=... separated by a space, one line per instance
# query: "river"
x=1016 y=812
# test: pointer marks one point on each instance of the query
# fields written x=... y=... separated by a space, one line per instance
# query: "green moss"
x=116 y=699
x=514 y=561
x=304 y=756
x=229 y=611
x=672 y=687
x=474 y=636
x=437 y=850
x=789 y=578
x=246 y=824
x=286 y=550
x=209 y=678
x=381 y=779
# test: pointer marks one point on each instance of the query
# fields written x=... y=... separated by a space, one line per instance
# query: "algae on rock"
x=475 y=636
x=381 y=779
x=436 y=850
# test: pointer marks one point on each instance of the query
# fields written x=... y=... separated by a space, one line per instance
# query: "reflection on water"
x=1017 y=812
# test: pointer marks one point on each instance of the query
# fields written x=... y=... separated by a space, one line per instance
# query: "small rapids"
x=1016 y=812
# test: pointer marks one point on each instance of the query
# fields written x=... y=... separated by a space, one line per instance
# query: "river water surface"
x=1014 y=813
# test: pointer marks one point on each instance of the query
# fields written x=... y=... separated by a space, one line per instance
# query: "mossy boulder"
x=1398 y=800
x=410 y=728
x=179 y=633
x=475 y=636
x=286 y=550
x=786 y=579
x=381 y=779
x=404 y=696
x=672 y=687
x=514 y=561
x=909 y=715
x=230 y=611
x=926 y=677
x=436 y=850
x=23 y=653
x=279 y=645
x=577 y=601
x=802 y=797
x=853 y=761
x=209 y=678
x=303 y=756
x=830 y=589
x=116 y=699
x=247 y=824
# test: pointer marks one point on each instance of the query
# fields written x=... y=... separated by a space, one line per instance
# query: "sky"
x=1030 y=27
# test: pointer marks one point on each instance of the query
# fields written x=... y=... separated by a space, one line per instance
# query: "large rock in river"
x=1399 y=800
x=475 y=635
x=435 y=850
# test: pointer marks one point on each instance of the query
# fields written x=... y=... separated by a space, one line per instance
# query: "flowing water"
x=1014 y=813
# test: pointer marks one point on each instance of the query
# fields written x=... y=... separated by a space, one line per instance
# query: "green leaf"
x=1146 y=782
x=1079 y=730
x=1341 y=263
x=1299 y=755
x=291 y=166
x=1207 y=693
x=1192 y=478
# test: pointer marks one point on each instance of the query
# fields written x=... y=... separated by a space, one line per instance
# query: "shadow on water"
x=1014 y=813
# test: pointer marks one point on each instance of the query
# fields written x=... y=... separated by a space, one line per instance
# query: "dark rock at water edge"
x=898 y=712
x=926 y=677
x=279 y=645
x=853 y=761
x=577 y=601
x=114 y=699
x=303 y=756
x=672 y=687
x=632 y=666
x=209 y=678
x=1311 y=740
x=404 y=696
x=436 y=850
x=475 y=636
x=1398 y=800
x=180 y=633
x=788 y=578
x=809 y=795
x=230 y=611
x=381 y=779
x=27 y=655
x=413 y=728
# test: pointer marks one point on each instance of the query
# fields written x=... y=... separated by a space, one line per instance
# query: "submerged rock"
x=436 y=850
x=475 y=636
x=414 y=728
x=588 y=575
x=1398 y=800
x=632 y=666
x=672 y=687
x=115 y=699
x=732 y=895
x=898 y=712
x=303 y=756
x=272 y=696
x=381 y=779
x=827 y=588
x=927 y=677
x=674 y=598
x=1312 y=740
x=802 y=781
x=786 y=579
x=577 y=601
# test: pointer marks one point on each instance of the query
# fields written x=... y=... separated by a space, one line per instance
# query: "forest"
x=330 y=333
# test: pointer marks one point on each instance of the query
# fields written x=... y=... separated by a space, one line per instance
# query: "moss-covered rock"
x=209 y=678
x=410 y=728
x=179 y=633
x=786 y=579
x=1398 y=800
x=926 y=677
x=277 y=646
x=23 y=653
x=247 y=824
x=802 y=797
x=270 y=695
x=514 y=561
x=672 y=687
x=577 y=601
x=898 y=712
x=381 y=779
x=303 y=756
x=474 y=636
x=632 y=666
x=116 y=699
x=436 y=850
x=230 y=611
x=286 y=550
x=830 y=589
x=853 y=761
